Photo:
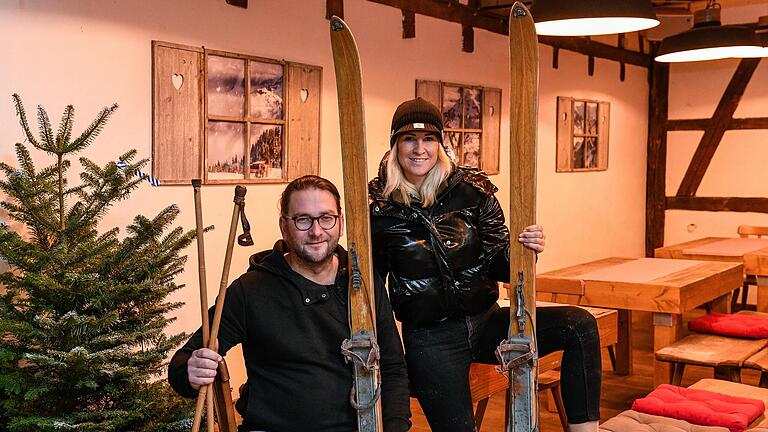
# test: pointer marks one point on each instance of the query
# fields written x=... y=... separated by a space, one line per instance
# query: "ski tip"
x=337 y=24
x=519 y=10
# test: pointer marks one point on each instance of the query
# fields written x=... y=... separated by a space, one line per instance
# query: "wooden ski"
x=361 y=348
x=518 y=353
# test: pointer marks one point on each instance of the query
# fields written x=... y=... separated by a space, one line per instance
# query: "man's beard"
x=312 y=258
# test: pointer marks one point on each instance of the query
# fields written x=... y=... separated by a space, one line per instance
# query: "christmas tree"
x=83 y=312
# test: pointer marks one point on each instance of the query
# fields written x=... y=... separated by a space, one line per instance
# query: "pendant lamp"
x=762 y=36
x=592 y=17
x=709 y=40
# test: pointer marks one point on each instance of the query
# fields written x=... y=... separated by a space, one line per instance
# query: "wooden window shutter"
x=489 y=146
x=177 y=133
x=564 y=134
x=604 y=126
x=303 y=127
x=430 y=91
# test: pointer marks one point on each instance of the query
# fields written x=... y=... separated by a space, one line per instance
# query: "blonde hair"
x=427 y=193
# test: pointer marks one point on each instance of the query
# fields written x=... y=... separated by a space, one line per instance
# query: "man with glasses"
x=289 y=312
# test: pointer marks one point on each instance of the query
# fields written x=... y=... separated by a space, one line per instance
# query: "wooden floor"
x=618 y=392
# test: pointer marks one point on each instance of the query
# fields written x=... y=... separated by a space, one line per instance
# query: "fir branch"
x=22 y=114
x=65 y=126
x=46 y=131
x=91 y=132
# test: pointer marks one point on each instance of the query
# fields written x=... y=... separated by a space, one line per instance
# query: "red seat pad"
x=736 y=325
x=701 y=407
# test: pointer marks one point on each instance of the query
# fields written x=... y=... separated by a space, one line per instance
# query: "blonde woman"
x=439 y=238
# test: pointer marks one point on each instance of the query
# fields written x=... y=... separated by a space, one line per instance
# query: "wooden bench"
x=639 y=422
x=727 y=355
x=759 y=362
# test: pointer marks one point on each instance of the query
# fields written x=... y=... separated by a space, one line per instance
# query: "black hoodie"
x=291 y=331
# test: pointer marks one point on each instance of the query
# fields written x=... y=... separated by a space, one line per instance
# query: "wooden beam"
x=468 y=32
x=555 y=57
x=622 y=65
x=719 y=124
x=334 y=7
x=409 y=24
x=656 y=165
x=467 y=39
x=459 y=13
x=239 y=3
x=733 y=204
x=703 y=124
x=597 y=49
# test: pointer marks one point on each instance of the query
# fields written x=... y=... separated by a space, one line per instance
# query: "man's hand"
x=201 y=367
x=532 y=237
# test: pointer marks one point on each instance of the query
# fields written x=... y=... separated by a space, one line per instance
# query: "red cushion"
x=736 y=325
x=701 y=407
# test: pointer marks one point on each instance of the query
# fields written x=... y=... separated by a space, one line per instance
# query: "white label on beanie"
x=418 y=125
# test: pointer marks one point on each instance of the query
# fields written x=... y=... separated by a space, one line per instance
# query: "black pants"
x=439 y=355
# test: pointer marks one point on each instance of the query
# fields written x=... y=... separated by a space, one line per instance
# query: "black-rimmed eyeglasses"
x=304 y=223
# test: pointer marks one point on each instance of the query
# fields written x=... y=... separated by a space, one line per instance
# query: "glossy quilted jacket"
x=441 y=261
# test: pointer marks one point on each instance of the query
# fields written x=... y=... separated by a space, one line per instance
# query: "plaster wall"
x=91 y=53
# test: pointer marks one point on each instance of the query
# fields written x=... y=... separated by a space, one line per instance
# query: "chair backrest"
x=751 y=230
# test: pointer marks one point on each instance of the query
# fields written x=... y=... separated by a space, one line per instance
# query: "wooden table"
x=752 y=252
x=665 y=287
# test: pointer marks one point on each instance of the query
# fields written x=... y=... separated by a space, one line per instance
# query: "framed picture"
x=471 y=115
x=223 y=117
x=582 y=134
x=237 y=122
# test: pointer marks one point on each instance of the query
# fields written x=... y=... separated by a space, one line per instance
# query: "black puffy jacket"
x=444 y=260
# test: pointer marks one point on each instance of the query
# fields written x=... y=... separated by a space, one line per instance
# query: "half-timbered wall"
x=737 y=167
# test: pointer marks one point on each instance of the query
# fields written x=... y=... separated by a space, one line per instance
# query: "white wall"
x=738 y=168
x=91 y=53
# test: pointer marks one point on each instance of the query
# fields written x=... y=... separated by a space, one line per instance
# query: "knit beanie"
x=416 y=115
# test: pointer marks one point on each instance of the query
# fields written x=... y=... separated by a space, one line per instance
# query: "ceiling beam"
x=467 y=16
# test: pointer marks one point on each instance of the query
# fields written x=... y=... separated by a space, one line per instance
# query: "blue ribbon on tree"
x=151 y=180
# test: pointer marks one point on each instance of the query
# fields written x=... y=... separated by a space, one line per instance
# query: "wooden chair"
x=484 y=381
x=727 y=355
x=747 y=231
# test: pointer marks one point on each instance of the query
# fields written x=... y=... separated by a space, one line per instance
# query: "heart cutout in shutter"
x=177 y=80
x=304 y=94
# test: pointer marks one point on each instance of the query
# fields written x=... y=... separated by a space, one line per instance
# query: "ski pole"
x=239 y=200
x=196 y=183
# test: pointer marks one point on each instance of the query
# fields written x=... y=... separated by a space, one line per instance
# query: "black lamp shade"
x=709 y=43
x=592 y=17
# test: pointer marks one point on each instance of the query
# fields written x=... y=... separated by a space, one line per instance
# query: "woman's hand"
x=532 y=237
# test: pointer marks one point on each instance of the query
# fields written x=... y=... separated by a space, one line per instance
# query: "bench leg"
x=480 y=412
x=728 y=373
x=677 y=373
x=560 y=407
x=763 y=379
x=612 y=355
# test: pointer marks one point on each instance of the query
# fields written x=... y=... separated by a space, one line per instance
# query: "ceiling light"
x=762 y=36
x=709 y=40
x=592 y=17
